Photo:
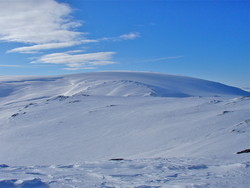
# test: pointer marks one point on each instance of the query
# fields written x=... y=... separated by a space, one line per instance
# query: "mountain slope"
x=74 y=118
x=112 y=84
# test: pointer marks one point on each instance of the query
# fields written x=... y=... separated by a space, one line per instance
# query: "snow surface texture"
x=143 y=173
x=173 y=131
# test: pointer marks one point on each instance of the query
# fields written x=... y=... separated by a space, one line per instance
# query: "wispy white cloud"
x=44 y=25
x=36 y=48
x=161 y=59
x=37 y=22
x=12 y=66
x=128 y=36
x=47 y=46
x=77 y=61
x=79 y=68
x=48 y=24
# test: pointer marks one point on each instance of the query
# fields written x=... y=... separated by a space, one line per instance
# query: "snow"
x=140 y=173
x=111 y=84
x=172 y=131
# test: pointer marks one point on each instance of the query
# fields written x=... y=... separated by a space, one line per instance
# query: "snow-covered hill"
x=111 y=84
x=132 y=115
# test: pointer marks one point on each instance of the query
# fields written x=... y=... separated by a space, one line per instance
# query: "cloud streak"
x=161 y=59
x=128 y=36
x=48 y=46
x=77 y=61
x=12 y=66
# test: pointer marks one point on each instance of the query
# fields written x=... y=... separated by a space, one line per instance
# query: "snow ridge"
x=113 y=84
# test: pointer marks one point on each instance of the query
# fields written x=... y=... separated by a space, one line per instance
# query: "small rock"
x=117 y=159
x=3 y=166
x=244 y=151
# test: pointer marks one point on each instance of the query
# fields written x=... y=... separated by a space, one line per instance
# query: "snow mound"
x=147 y=84
x=113 y=84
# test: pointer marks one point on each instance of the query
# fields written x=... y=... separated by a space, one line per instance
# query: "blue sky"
x=204 y=39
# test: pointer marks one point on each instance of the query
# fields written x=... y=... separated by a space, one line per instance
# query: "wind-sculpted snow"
x=140 y=173
x=112 y=84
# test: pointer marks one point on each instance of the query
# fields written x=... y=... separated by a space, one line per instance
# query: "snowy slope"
x=111 y=84
x=132 y=115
